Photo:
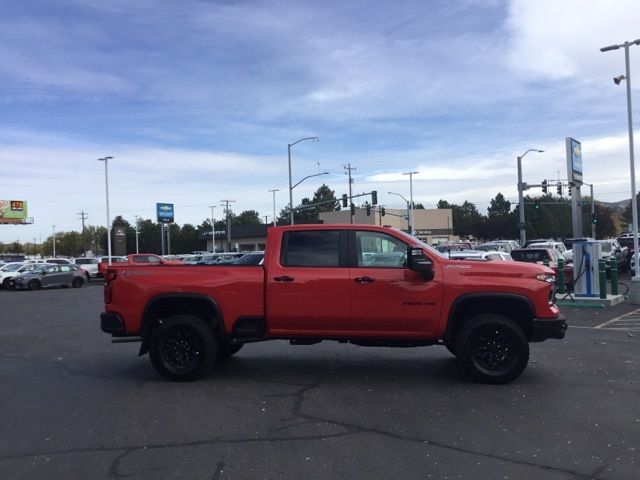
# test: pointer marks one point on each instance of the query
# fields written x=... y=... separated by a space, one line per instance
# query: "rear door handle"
x=284 y=278
x=364 y=279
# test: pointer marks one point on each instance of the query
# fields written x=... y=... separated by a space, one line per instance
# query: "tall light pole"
x=523 y=233
x=53 y=227
x=632 y=167
x=137 y=217
x=411 y=174
x=408 y=208
x=289 y=145
x=274 y=190
x=226 y=203
x=302 y=180
x=213 y=229
x=106 y=183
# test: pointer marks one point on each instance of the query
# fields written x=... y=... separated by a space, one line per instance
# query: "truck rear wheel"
x=492 y=348
x=183 y=348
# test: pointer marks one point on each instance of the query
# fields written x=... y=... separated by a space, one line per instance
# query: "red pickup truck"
x=360 y=284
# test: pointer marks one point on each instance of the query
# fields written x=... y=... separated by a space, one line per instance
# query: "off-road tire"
x=226 y=351
x=183 y=348
x=492 y=348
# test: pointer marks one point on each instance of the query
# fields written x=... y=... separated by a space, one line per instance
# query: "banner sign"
x=13 y=209
x=165 y=212
x=574 y=161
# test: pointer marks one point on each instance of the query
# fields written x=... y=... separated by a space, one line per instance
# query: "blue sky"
x=197 y=101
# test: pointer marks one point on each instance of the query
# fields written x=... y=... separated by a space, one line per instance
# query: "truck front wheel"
x=183 y=348
x=492 y=348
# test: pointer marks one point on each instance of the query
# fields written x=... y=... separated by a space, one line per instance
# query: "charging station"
x=585 y=269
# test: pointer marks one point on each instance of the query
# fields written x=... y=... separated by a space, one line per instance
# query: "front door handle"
x=364 y=279
x=284 y=278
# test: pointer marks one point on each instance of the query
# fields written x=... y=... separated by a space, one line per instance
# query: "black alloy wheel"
x=183 y=348
x=492 y=348
x=33 y=285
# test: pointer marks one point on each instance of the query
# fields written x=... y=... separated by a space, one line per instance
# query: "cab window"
x=313 y=248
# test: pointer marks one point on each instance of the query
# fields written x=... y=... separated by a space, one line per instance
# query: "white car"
x=479 y=255
x=88 y=264
x=60 y=261
x=10 y=270
x=557 y=246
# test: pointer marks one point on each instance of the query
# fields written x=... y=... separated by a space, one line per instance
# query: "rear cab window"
x=313 y=248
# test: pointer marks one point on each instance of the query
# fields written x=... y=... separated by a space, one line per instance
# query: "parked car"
x=479 y=255
x=10 y=270
x=626 y=240
x=60 y=261
x=495 y=247
x=104 y=261
x=49 y=275
x=89 y=265
x=252 y=258
x=557 y=246
x=611 y=249
x=539 y=255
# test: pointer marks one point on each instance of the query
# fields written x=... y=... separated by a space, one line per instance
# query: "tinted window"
x=86 y=261
x=380 y=250
x=318 y=248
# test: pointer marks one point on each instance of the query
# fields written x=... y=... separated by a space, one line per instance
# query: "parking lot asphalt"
x=74 y=406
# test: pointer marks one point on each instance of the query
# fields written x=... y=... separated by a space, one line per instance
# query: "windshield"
x=12 y=267
x=250 y=259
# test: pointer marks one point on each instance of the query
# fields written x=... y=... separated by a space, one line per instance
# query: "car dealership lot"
x=75 y=406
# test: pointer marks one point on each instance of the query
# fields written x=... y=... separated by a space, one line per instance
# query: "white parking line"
x=627 y=320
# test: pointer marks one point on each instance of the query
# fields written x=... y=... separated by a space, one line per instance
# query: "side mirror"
x=419 y=262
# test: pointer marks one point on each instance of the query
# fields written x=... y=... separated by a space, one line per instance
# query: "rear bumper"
x=544 y=328
x=112 y=323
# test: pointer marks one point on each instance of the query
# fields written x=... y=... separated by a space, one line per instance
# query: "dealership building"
x=431 y=225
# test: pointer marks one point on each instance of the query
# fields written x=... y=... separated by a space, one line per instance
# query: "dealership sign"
x=574 y=161
x=13 y=209
x=165 y=212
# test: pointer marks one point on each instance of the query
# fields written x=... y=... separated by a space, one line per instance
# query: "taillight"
x=110 y=276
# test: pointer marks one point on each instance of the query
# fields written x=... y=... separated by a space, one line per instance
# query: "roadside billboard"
x=15 y=210
x=165 y=212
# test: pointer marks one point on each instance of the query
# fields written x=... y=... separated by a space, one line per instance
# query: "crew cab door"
x=308 y=288
x=386 y=296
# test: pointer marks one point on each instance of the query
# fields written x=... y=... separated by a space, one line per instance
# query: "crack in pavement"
x=297 y=414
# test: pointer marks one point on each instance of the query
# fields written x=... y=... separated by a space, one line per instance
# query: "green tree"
x=324 y=200
x=247 y=217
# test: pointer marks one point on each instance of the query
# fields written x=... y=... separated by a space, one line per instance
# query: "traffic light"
x=368 y=210
x=559 y=189
x=353 y=209
x=382 y=211
x=544 y=186
x=536 y=204
x=374 y=197
x=570 y=187
x=344 y=200
x=594 y=219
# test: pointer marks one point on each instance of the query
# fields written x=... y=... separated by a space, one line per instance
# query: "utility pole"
x=274 y=204
x=266 y=219
x=348 y=169
x=213 y=229
x=54 y=240
x=226 y=203
x=83 y=217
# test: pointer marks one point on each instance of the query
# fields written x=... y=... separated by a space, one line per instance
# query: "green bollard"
x=602 y=272
x=614 y=277
x=560 y=276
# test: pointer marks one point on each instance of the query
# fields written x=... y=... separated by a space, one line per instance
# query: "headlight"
x=546 y=277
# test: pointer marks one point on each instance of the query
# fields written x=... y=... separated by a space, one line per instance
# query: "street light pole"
x=289 y=145
x=54 y=240
x=137 y=231
x=106 y=183
x=411 y=174
x=523 y=233
x=632 y=168
x=274 y=201
x=408 y=209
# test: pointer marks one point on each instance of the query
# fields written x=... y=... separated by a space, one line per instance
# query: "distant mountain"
x=616 y=206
